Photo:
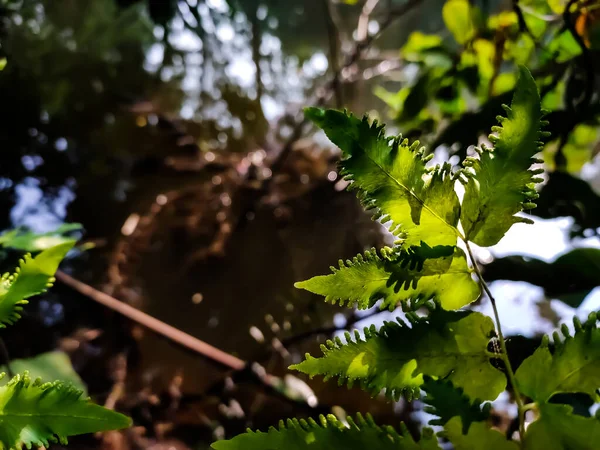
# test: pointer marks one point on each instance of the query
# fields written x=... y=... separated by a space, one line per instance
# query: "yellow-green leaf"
x=392 y=178
x=441 y=274
x=32 y=413
x=32 y=277
x=460 y=19
x=500 y=181
x=450 y=345
x=330 y=434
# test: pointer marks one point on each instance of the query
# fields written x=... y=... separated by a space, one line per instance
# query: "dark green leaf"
x=558 y=428
x=446 y=401
x=573 y=367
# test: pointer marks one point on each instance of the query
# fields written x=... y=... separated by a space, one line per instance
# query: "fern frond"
x=32 y=413
x=451 y=345
x=392 y=179
x=479 y=436
x=557 y=428
x=446 y=401
x=32 y=277
x=574 y=366
x=407 y=277
x=330 y=433
x=500 y=182
x=29 y=241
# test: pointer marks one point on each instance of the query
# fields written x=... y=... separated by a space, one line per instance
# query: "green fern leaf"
x=480 y=436
x=558 y=428
x=32 y=413
x=392 y=179
x=450 y=345
x=440 y=275
x=447 y=401
x=573 y=367
x=500 y=182
x=330 y=434
x=32 y=277
x=29 y=241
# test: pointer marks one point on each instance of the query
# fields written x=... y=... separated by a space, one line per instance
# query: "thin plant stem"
x=509 y=369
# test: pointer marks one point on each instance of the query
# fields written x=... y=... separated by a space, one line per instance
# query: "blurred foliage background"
x=172 y=131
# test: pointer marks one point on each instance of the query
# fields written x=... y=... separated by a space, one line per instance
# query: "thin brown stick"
x=362 y=30
x=333 y=35
x=152 y=323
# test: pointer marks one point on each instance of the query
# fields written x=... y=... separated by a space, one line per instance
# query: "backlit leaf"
x=558 y=428
x=441 y=274
x=32 y=413
x=574 y=366
x=32 y=277
x=460 y=19
x=450 y=345
x=330 y=434
x=29 y=241
x=392 y=179
x=54 y=365
x=501 y=182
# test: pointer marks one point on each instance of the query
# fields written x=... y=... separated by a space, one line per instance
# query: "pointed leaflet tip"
x=502 y=185
x=32 y=277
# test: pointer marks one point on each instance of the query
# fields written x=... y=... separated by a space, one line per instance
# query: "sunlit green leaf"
x=392 y=179
x=564 y=47
x=441 y=274
x=418 y=42
x=450 y=345
x=32 y=413
x=32 y=277
x=501 y=182
x=460 y=18
x=48 y=366
x=330 y=434
x=29 y=241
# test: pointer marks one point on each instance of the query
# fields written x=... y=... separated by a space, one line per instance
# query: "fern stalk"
x=509 y=370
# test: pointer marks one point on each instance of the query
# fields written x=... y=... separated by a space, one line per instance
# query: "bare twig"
x=362 y=30
x=334 y=45
x=152 y=323
x=256 y=56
